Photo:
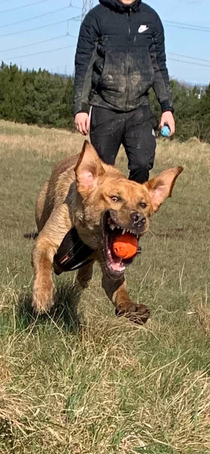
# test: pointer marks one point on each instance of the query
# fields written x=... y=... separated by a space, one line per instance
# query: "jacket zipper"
x=128 y=60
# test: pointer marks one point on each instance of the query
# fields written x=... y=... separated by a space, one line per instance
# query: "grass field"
x=83 y=381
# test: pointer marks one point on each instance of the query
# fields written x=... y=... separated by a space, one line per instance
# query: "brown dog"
x=99 y=203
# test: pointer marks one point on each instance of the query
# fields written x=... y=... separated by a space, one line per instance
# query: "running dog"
x=83 y=207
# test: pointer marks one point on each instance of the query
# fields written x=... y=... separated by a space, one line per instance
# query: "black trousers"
x=134 y=130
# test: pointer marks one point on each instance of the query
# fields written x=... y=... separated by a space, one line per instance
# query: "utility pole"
x=87 y=4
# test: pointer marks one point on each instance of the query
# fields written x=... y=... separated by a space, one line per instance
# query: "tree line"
x=45 y=99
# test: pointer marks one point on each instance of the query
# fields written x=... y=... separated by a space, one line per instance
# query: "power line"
x=39 y=53
x=73 y=36
x=38 y=42
x=76 y=18
x=23 y=6
x=189 y=62
x=187 y=56
x=187 y=26
x=36 y=17
x=5 y=1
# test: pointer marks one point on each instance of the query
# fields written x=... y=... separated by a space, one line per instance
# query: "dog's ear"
x=161 y=186
x=88 y=168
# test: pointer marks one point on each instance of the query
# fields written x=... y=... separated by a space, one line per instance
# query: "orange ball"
x=125 y=246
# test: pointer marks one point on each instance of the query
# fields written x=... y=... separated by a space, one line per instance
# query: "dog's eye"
x=142 y=205
x=116 y=198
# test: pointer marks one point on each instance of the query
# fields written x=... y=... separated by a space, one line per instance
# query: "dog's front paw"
x=137 y=313
x=42 y=300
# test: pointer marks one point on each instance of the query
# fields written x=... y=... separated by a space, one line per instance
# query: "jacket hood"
x=119 y=6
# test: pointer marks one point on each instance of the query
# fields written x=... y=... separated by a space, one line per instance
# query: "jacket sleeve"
x=161 y=84
x=84 y=60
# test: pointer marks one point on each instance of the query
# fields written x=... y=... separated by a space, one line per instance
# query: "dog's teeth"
x=131 y=231
x=112 y=227
x=123 y=232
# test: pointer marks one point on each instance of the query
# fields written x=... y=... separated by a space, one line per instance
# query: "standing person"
x=120 y=56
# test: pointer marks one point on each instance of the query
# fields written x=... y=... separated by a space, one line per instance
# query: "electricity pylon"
x=87 y=4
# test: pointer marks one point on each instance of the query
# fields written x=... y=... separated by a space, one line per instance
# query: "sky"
x=43 y=34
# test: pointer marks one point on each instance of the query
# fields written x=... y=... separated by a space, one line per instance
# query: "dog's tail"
x=31 y=235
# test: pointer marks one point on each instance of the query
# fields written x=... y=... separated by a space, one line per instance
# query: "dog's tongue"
x=114 y=262
x=117 y=264
x=118 y=267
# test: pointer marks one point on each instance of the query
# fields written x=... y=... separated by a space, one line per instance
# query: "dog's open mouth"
x=116 y=265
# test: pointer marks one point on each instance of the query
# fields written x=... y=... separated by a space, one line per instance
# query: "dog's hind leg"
x=117 y=293
x=46 y=246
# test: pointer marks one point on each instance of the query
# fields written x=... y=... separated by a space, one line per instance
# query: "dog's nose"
x=137 y=219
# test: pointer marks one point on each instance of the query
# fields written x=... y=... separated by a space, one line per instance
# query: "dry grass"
x=82 y=381
x=47 y=142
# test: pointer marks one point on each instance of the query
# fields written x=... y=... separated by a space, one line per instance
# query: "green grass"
x=82 y=381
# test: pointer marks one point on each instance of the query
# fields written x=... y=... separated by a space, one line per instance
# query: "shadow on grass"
x=64 y=312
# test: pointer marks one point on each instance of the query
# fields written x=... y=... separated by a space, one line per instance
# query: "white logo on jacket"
x=142 y=28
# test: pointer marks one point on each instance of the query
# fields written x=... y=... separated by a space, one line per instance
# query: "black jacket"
x=120 y=56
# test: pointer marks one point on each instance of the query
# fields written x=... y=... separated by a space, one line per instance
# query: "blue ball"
x=165 y=131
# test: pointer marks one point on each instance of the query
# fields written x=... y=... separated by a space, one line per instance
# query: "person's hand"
x=82 y=122
x=167 y=118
